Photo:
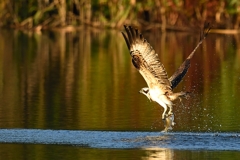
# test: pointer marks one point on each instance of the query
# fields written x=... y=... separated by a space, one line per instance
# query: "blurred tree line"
x=166 y=14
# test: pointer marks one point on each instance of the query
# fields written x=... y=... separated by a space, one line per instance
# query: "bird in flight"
x=146 y=61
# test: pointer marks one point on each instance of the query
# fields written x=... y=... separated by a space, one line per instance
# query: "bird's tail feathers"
x=175 y=96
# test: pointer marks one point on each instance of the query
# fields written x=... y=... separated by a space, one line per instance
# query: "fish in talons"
x=168 y=123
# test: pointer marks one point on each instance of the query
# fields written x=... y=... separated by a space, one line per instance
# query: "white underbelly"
x=156 y=92
x=159 y=97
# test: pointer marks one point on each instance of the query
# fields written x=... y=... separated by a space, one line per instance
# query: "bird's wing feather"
x=146 y=60
x=177 y=77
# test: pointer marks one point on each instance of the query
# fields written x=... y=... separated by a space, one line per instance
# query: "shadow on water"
x=84 y=80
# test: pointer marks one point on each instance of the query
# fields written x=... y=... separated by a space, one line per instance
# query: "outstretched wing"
x=177 y=77
x=146 y=60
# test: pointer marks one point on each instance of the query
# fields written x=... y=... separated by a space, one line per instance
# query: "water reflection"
x=23 y=151
x=85 y=80
x=168 y=154
x=158 y=153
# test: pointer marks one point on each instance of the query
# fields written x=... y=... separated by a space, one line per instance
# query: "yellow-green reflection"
x=84 y=80
x=39 y=152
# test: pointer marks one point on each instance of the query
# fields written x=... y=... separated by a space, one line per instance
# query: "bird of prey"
x=146 y=61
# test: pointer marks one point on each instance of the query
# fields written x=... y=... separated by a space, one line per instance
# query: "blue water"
x=124 y=140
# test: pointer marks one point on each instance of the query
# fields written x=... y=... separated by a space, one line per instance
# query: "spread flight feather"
x=146 y=60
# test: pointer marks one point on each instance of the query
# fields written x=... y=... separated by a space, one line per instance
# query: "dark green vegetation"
x=166 y=14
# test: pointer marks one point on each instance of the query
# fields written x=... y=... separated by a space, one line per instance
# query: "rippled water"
x=84 y=80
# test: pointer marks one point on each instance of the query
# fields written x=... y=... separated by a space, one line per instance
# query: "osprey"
x=144 y=58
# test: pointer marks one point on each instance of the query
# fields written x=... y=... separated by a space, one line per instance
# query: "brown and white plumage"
x=145 y=59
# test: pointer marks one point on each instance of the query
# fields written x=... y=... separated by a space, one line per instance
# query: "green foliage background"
x=166 y=14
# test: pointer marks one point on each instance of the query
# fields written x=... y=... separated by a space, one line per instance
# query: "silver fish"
x=169 y=123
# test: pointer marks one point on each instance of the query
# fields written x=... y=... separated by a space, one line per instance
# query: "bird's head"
x=144 y=90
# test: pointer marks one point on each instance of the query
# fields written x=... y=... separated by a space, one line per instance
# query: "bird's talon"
x=169 y=114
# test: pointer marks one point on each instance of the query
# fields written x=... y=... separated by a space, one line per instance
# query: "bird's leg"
x=164 y=112
x=170 y=110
